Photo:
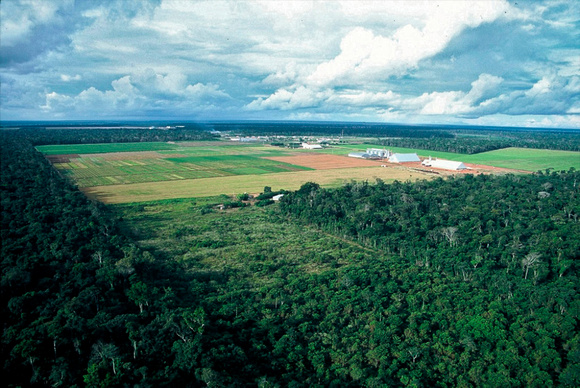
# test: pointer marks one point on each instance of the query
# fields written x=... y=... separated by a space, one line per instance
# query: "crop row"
x=95 y=171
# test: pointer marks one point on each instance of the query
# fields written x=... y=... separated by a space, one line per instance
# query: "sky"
x=415 y=62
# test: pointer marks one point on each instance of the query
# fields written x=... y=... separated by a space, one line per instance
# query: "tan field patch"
x=205 y=187
x=326 y=161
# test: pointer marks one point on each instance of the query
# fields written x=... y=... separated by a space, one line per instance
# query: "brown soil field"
x=326 y=161
x=61 y=158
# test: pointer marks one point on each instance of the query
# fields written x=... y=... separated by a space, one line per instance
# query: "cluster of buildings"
x=382 y=154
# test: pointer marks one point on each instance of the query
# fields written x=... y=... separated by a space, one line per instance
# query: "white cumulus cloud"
x=365 y=55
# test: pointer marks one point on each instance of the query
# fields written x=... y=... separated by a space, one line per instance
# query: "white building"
x=403 y=158
x=311 y=146
x=444 y=164
x=378 y=153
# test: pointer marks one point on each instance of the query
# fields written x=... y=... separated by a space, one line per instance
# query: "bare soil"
x=326 y=161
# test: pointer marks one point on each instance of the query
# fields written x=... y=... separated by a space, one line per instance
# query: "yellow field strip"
x=206 y=187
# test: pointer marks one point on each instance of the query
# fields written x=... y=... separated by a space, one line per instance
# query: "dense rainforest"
x=469 y=281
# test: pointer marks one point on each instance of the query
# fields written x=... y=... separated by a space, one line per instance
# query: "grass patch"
x=253 y=245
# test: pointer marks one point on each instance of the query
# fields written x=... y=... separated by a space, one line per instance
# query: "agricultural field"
x=527 y=159
x=97 y=165
x=253 y=184
x=88 y=171
x=136 y=172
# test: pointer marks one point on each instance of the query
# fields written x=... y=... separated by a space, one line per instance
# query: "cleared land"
x=89 y=170
x=136 y=172
x=250 y=183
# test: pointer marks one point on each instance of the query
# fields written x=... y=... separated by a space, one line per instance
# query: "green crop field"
x=94 y=171
x=89 y=165
x=527 y=159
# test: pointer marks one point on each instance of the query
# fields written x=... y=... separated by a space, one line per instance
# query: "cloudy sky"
x=475 y=62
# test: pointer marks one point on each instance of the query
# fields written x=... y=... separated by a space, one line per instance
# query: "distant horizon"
x=148 y=123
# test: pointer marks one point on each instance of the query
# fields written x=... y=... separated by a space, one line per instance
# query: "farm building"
x=444 y=164
x=371 y=153
x=378 y=153
x=403 y=158
x=361 y=155
x=311 y=146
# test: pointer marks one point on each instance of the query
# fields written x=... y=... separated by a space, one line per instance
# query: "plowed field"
x=326 y=161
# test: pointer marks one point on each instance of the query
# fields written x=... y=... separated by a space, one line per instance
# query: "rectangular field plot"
x=242 y=163
x=527 y=159
x=95 y=170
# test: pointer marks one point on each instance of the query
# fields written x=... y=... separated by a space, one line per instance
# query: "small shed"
x=403 y=158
